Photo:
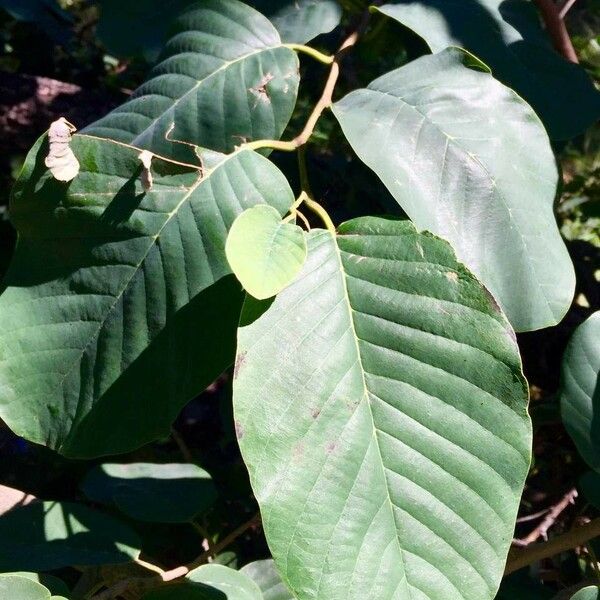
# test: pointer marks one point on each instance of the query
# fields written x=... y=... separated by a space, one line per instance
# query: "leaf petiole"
x=323 y=58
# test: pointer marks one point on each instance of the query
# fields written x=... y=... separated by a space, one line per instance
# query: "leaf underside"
x=467 y=159
x=381 y=411
x=223 y=78
x=117 y=309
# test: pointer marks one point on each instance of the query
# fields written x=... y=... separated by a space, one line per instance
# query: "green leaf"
x=46 y=14
x=466 y=158
x=580 y=390
x=264 y=252
x=588 y=593
x=382 y=414
x=223 y=78
x=13 y=587
x=111 y=320
x=265 y=575
x=299 y=21
x=54 y=584
x=210 y=582
x=164 y=493
x=43 y=536
x=507 y=35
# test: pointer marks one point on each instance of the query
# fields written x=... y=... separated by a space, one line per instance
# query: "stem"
x=566 y=8
x=536 y=552
x=556 y=29
x=324 y=58
x=303 y=172
x=319 y=210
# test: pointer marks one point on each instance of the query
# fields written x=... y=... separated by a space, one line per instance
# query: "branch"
x=577 y=536
x=556 y=29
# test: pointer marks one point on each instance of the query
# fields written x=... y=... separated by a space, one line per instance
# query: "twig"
x=147 y=583
x=534 y=516
x=578 y=536
x=556 y=29
x=568 y=5
x=542 y=529
x=180 y=443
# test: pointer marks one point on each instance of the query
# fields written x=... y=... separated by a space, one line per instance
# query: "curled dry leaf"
x=146 y=176
x=60 y=160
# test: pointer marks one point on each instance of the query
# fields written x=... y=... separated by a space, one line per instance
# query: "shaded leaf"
x=43 y=536
x=265 y=575
x=382 y=414
x=299 y=21
x=223 y=78
x=507 y=35
x=589 y=486
x=265 y=253
x=47 y=14
x=165 y=493
x=520 y=586
x=580 y=390
x=111 y=320
x=466 y=158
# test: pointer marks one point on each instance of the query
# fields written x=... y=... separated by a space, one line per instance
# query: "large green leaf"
x=43 y=536
x=54 y=584
x=591 y=592
x=580 y=390
x=382 y=413
x=165 y=493
x=299 y=21
x=466 y=158
x=13 y=587
x=223 y=78
x=110 y=321
x=264 y=252
x=265 y=575
x=506 y=34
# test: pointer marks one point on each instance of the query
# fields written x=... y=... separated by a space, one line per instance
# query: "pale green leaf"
x=507 y=35
x=299 y=21
x=54 y=584
x=223 y=78
x=265 y=253
x=382 y=414
x=264 y=573
x=43 y=536
x=580 y=390
x=591 y=592
x=13 y=587
x=116 y=310
x=466 y=158
x=165 y=493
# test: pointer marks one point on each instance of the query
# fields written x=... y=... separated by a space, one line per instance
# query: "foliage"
x=355 y=339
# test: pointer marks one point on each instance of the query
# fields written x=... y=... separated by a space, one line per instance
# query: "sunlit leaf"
x=265 y=575
x=382 y=414
x=466 y=158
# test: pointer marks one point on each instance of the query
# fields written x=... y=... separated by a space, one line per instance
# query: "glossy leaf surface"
x=580 y=390
x=264 y=573
x=390 y=457
x=507 y=35
x=43 y=536
x=223 y=78
x=265 y=253
x=116 y=311
x=165 y=493
x=466 y=158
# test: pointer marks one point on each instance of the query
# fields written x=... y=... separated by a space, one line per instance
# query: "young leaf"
x=116 y=311
x=591 y=592
x=43 y=536
x=210 y=582
x=509 y=38
x=299 y=21
x=265 y=575
x=13 y=587
x=224 y=77
x=466 y=158
x=580 y=390
x=382 y=413
x=165 y=493
x=265 y=253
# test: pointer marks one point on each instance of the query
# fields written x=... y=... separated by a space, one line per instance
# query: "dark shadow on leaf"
x=187 y=591
x=125 y=201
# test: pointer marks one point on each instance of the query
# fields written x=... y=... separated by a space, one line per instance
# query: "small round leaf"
x=265 y=253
